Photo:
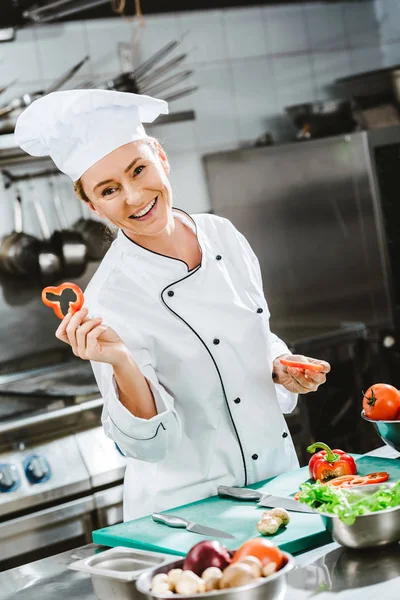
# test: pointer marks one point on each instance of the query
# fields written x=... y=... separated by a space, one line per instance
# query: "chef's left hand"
x=297 y=380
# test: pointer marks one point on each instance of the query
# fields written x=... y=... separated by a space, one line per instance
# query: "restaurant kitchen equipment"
x=323 y=218
x=60 y=476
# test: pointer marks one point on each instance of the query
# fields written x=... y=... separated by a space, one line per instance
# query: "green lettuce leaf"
x=348 y=504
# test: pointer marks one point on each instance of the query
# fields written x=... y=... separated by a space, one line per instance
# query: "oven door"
x=46 y=532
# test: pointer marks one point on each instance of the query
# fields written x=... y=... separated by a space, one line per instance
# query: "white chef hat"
x=77 y=128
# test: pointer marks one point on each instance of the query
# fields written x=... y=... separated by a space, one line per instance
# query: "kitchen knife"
x=172 y=521
x=263 y=499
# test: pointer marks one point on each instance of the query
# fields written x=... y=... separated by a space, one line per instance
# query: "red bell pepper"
x=303 y=366
x=74 y=306
x=328 y=464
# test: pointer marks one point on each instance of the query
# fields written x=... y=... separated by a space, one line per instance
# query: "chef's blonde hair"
x=78 y=186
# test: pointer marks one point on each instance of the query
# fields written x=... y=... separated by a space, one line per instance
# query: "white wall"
x=248 y=63
x=388 y=16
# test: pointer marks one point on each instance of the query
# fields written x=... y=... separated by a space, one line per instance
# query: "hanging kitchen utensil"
x=97 y=236
x=50 y=263
x=66 y=76
x=18 y=250
x=150 y=62
x=163 y=85
x=68 y=244
x=17 y=105
x=7 y=87
x=153 y=75
x=181 y=93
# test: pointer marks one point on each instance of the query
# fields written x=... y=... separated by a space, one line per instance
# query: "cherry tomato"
x=262 y=549
x=301 y=365
x=381 y=402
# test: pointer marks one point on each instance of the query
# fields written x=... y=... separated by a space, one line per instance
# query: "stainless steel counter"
x=330 y=571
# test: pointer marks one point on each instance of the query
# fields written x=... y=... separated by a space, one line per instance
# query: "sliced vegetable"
x=74 y=306
x=262 y=549
x=355 y=480
x=348 y=504
x=381 y=402
x=301 y=365
x=328 y=464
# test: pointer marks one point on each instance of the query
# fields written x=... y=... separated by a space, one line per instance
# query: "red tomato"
x=382 y=402
x=262 y=549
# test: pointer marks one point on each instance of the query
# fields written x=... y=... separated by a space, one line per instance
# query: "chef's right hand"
x=90 y=339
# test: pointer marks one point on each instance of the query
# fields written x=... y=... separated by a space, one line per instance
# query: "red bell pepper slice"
x=356 y=480
x=329 y=464
x=301 y=365
x=74 y=305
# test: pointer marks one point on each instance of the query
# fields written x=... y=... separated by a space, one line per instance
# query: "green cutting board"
x=239 y=518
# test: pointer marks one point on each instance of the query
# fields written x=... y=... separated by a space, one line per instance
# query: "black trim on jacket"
x=215 y=365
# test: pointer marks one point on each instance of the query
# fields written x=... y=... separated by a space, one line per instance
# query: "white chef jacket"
x=202 y=340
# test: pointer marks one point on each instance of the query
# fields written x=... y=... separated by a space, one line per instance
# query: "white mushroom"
x=160 y=579
x=254 y=563
x=268 y=513
x=267 y=526
x=211 y=573
x=189 y=583
x=173 y=576
x=212 y=577
x=236 y=575
x=162 y=589
x=282 y=514
x=269 y=569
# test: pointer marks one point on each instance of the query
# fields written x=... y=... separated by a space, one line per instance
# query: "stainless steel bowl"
x=368 y=531
x=114 y=572
x=271 y=588
x=388 y=431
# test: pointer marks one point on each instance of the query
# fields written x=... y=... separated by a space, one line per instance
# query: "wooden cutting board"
x=239 y=518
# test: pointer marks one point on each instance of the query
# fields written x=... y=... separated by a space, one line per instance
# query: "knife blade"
x=179 y=522
x=264 y=499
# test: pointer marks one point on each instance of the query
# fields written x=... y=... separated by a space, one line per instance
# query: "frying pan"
x=18 y=250
x=97 y=236
x=68 y=244
x=50 y=264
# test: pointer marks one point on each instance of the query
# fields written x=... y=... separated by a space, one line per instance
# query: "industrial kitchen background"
x=310 y=154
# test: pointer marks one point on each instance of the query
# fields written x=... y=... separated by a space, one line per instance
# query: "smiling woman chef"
x=176 y=325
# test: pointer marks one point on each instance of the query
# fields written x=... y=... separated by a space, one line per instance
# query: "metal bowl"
x=114 y=572
x=373 y=530
x=388 y=431
x=272 y=587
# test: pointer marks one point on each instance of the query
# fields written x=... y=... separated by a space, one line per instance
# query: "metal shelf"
x=10 y=152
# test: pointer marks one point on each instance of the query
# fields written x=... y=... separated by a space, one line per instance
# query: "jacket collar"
x=131 y=248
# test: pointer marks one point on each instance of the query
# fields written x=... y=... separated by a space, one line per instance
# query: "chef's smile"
x=146 y=212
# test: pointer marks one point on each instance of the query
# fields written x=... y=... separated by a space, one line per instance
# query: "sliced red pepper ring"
x=356 y=480
x=74 y=305
x=301 y=365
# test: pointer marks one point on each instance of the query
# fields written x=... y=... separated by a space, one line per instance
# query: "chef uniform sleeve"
x=287 y=400
x=144 y=439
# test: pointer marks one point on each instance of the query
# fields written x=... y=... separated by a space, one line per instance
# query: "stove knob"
x=9 y=480
x=37 y=469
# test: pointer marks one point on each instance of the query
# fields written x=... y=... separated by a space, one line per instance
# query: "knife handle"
x=170 y=520
x=238 y=493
